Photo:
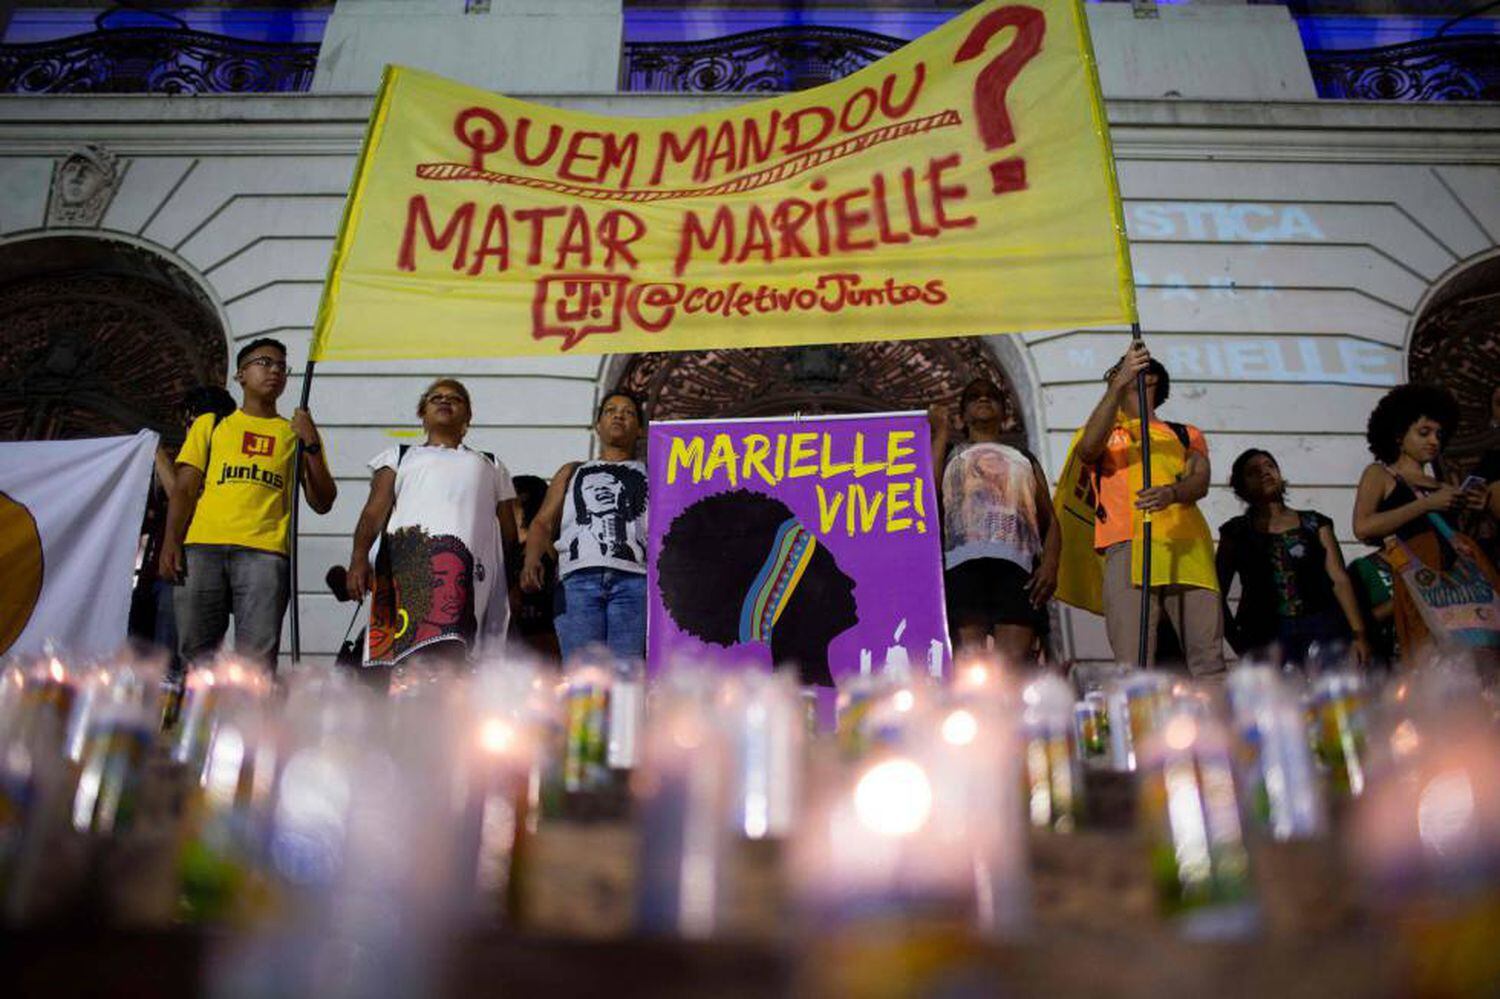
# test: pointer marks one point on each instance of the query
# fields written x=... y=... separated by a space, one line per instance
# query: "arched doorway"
x=101 y=337
x=836 y=378
x=1455 y=342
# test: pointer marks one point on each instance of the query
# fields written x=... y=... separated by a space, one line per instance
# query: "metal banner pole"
x=296 y=621
x=1144 y=405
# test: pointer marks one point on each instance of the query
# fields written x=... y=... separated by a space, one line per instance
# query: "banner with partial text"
x=962 y=185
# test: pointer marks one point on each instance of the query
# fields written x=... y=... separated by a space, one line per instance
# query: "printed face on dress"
x=263 y=373
x=618 y=425
x=991 y=469
x=601 y=493
x=1423 y=440
x=450 y=589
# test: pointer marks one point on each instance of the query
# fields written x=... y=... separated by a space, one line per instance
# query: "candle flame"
x=56 y=669
x=960 y=728
x=1180 y=733
x=496 y=736
x=893 y=798
x=1405 y=739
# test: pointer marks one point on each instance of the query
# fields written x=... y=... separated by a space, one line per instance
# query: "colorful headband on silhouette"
x=791 y=552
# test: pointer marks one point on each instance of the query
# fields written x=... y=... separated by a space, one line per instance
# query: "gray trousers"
x=225 y=581
x=1195 y=613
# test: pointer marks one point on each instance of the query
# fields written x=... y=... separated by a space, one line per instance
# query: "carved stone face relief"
x=83 y=184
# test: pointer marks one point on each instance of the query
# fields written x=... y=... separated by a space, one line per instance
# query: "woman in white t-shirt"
x=445 y=517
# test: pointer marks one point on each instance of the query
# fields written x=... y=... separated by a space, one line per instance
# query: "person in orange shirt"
x=1184 y=581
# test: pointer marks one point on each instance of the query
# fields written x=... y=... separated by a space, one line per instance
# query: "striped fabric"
x=791 y=551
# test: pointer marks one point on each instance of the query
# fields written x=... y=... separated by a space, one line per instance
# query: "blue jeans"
x=601 y=607
x=227 y=580
x=1329 y=629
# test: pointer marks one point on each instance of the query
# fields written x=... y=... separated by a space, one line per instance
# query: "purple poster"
x=811 y=540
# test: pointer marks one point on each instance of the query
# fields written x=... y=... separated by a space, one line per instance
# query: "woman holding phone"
x=1402 y=495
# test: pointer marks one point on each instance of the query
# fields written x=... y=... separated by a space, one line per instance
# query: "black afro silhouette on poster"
x=738 y=567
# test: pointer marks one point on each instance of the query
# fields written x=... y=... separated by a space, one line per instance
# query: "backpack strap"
x=208 y=452
x=1181 y=430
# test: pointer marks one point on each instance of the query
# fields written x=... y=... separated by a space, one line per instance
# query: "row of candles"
x=313 y=798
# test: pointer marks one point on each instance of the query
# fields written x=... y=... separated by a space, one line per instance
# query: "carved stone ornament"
x=83 y=184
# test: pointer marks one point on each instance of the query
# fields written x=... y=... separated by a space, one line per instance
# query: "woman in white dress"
x=445 y=517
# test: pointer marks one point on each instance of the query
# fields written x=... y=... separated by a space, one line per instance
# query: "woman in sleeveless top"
x=1396 y=493
x=1294 y=590
x=1000 y=542
x=595 y=511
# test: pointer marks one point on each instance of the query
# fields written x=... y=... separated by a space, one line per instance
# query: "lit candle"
x=1054 y=780
x=496 y=816
x=113 y=741
x=928 y=832
x=767 y=742
x=1189 y=814
x=1281 y=788
x=1340 y=703
x=680 y=797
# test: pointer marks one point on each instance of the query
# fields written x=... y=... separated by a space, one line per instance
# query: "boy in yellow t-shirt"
x=227 y=520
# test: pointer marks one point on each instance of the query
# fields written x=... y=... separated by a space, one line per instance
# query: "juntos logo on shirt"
x=250 y=473
x=258 y=445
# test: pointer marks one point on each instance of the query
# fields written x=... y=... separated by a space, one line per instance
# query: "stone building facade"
x=1295 y=257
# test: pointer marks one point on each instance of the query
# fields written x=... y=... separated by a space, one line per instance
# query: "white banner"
x=70 y=523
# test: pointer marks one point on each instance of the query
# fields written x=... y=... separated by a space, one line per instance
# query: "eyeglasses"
x=452 y=400
x=268 y=363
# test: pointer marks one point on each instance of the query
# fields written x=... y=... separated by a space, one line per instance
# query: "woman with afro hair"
x=1403 y=492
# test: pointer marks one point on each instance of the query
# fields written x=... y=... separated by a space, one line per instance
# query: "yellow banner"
x=962 y=185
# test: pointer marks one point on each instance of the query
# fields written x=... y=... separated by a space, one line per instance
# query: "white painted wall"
x=1281 y=251
x=1200 y=52
x=562 y=46
x=1195 y=51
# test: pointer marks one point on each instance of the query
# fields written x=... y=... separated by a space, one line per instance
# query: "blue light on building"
x=271 y=24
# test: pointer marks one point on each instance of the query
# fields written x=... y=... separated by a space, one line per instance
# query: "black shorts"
x=984 y=592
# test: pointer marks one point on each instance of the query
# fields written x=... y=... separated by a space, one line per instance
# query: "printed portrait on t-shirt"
x=424 y=593
x=739 y=568
x=990 y=492
x=607 y=498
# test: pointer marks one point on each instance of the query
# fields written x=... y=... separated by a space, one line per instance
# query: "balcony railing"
x=156 y=60
x=771 y=59
x=1451 y=68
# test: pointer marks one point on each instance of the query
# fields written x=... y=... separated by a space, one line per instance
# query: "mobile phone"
x=1473 y=482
